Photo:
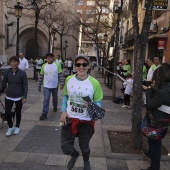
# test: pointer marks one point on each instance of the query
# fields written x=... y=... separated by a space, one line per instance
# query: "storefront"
x=156 y=46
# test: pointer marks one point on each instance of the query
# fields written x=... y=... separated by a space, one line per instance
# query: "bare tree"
x=95 y=23
x=61 y=21
x=140 y=41
x=48 y=16
x=37 y=6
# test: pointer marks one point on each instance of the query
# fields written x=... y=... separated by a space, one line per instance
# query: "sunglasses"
x=81 y=64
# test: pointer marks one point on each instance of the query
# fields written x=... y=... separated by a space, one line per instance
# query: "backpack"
x=118 y=100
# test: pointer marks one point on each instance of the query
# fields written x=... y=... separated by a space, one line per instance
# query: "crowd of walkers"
x=52 y=74
x=75 y=80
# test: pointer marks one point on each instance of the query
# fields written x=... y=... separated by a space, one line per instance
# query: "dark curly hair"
x=14 y=58
x=161 y=75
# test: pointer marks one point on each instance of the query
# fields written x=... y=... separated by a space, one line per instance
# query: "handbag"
x=118 y=100
x=153 y=128
x=95 y=112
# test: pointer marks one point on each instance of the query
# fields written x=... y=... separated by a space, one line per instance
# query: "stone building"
x=27 y=44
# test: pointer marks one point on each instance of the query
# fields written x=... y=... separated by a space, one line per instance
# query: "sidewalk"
x=37 y=147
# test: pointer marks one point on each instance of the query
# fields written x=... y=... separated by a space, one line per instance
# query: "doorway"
x=31 y=49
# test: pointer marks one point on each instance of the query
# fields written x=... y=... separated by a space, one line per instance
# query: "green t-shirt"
x=128 y=69
x=144 y=74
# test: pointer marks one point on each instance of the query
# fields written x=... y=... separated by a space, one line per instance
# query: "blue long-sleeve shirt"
x=64 y=103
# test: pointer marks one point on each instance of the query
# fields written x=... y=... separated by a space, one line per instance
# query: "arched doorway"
x=31 y=49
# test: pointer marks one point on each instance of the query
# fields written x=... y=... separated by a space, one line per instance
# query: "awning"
x=154 y=37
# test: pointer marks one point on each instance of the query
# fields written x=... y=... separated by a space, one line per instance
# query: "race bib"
x=76 y=109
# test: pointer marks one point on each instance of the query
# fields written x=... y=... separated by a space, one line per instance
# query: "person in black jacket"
x=16 y=92
x=158 y=104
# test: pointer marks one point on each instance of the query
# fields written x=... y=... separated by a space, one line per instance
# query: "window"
x=90 y=12
x=90 y=20
x=104 y=18
x=79 y=3
x=102 y=9
x=105 y=10
x=90 y=3
x=103 y=2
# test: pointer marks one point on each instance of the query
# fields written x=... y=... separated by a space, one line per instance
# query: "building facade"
x=159 y=34
x=27 y=43
x=93 y=14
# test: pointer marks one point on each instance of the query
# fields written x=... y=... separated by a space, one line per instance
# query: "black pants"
x=155 y=150
x=85 y=132
x=70 y=69
x=108 y=79
x=127 y=99
x=8 y=108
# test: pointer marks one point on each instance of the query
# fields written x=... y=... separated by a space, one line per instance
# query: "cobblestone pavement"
x=37 y=147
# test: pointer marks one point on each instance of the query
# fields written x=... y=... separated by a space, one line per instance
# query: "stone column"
x=2 y=30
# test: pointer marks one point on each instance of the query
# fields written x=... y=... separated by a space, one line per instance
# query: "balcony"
x=129 y=37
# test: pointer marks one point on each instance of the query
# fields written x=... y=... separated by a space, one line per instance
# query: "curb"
x=123 y=156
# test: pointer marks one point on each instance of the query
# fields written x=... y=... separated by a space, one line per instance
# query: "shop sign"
x=158 y=4
x=161 y=44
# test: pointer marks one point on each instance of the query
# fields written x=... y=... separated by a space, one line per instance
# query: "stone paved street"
x=37 y=147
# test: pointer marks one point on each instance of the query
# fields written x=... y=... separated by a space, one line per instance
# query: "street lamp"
x=66 y=42
x=104 y=57
x=118 y=11
x=105 y=39
x=78 y=48
x=18 y=14
x=53 y=32
x=104 y=52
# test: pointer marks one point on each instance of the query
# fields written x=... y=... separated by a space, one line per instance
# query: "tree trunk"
x=140 y=41
x=137 y=91
x=116 y=57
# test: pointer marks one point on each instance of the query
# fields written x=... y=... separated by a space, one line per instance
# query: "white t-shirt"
x=23 y=64
x=150 y=72
x=59 y=61
x=50 y=72
x=38 y=63
x=69 y=63
x=128 y=86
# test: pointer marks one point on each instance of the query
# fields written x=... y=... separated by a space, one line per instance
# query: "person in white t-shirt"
x=50 y=74
x=38 y=64
x=148 y=81
x=74 y=115
x=23 y=62
x=59 y=60
x=69 y=65
x=128 y=90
